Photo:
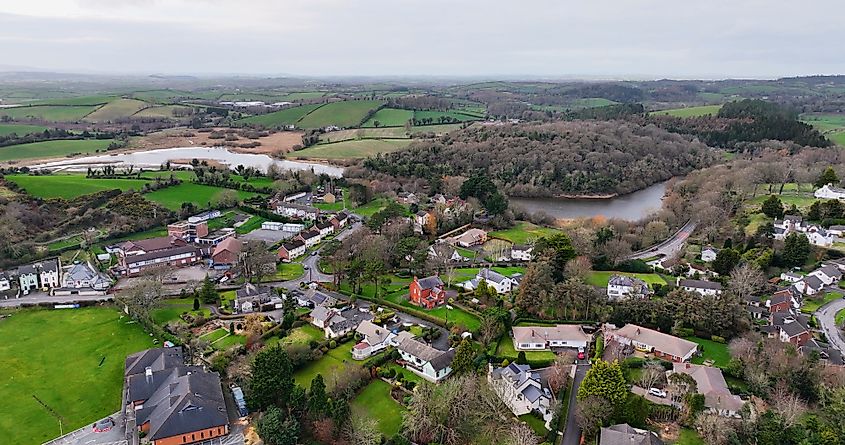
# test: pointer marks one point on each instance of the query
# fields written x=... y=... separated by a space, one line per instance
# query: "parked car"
x=581 y=354
x=657 y=392
x=104 y=426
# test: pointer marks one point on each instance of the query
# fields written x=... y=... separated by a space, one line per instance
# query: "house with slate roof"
x=493 y=279
x=712 y=385
x=82 y=278
x=620 y=287
x=431 y=364
x=665 y=346
x=374 y=339
x=427 y=292
x=624 y=434
x=701 y=287
x=522 y=390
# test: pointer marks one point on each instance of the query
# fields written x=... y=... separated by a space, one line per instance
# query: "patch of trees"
x=480 y=186
x=552 y=159
x=46 y=135
x=609 y=112
x=428 y=103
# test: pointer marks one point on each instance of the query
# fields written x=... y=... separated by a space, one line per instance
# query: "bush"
x=718 y=339
x=634 y=362
x=667 y=365
x=313 y=344
x=332 y=344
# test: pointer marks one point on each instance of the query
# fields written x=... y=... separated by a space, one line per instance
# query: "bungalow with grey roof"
x=828 y=191
x=828 y=274
x=701 y=287
x=82 y=278
x=624 y=434
x=431 y=364
x=647 y=340
x=712 y=385
x=538 y=338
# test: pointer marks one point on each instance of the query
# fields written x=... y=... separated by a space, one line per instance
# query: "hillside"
x=564 y=158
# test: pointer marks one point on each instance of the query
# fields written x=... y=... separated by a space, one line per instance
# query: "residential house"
x=27 y=278
x=708 y=254
x=522 y=390
x=828 y=191
x=339 y=220
x=809 y=285
x=310 y=237
x=338 y=322
x=827 y=354
x=791 y=277
x=712 y=385
x=522 y=252
x=252 y=298
x=422 y=219
x=407 y=198
x=326 y=228
x=174 y=403
x=790 y=327
x=291 y=249
x=450 y=252
x=828 y=274
x=427 y=292
x=472 y=237
x=431 y=364
x=227 y=253
x=312 y=297
x=620 y=287
x=790 y=223
x=624 y=434
x=374 y=339
x=781 y=301
x=500 y=283
x=293 y=210
x=665 y=346
x=173 y=257
x=82 y=278
x=45 y=275
x=701 y=287
x=5 y=282
x=837 y=230
x=188 y=231
x=538 y=338
x=818 y=236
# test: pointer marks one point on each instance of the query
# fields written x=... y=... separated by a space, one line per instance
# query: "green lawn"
x=840 y=317
x=228 y=341
x=286 y=271
x=406 y=374
x=288 y=116
x=390 y=117
x=351 y=149
x=812 y=304
x=436 y=115
x=375 y=402
x=70 y=186
x=802 y=201
x=711 y=350
x=52 y=149
x=371 y=207
x=20 y=130
x=691 y=111
x=330 y=365
x=250 y=225
x=505 y=349
x=303 y=335
x=214 y=335
x=689 y=437
x=600 y=278
x=535 y=423
x=171 y=309
x=56 y=356
x=116 y=109
x=343 y=114
x=523 y=232
x=49 y=112
x=201 y=195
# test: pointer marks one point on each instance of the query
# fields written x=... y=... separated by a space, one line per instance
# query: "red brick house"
x=427 y=292
x=781 y=301
x=227 y=252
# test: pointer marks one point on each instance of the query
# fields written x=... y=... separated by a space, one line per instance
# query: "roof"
x=710 y=248
x=471 y=236
x=322 y=313
x=293 y=244
x=624 y=280
x=151 y=244
x=86 y=272
x=229 y=244
x=700 y=284
x=711 y=383
x=797 y=218
x=325 y=225
x=491 y=275
x=429 y=282
x=830 y=270
x=184 y=404
x=624 y=434
x=308 y=234
x=666 y=343
x=813 y=281
x=251 y=290
x=373 y=333
x=438 y=359
x=157 y=359
x=793 y=329
x=543 y=334
x=173 y=251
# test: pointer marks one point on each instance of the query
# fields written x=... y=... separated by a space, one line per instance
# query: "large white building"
x=539 y=338
x=431 y=364
x=493 y=279
x=620 y=287
x=522 y=390
x=828 y=191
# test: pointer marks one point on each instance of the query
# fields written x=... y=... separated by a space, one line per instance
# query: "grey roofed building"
x=825 y=351
x=438 y=359
x=84 y=275
x=624 y=434
x=700 y=284
x=813 y=281
x=712 y=385
x=430 y=282
x=624 y=280
x=141 y=387
x=157 y=359
x=831 y=271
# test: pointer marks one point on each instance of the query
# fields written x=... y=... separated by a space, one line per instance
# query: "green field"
x=329 y=366
x=390 y=117
x=118 y=109
x=600 y=278
x=250 y=225
x=288 y=116
x=343 y=114
x=171 y=309
x=48 y=112
x=523 y=232
x=592 y=102
x=371 y=207
x=711 y=350
x=812 y=304
x=70 y=186
x=20 y=130
x=56 y=356
x=81 y=100
x=386 y=132
x=436 y=115
x=162 y=112
x=353 y=149
x=201 y=195
x=831 y=125
x=52 y=149
x=286 y=271
x=703 y=110
x=375 y=402
x=689 y=437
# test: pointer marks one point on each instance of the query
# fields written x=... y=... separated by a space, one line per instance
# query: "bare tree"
x=746 y=280
x=489 y=330
x=578 y=267
x=715 y=430
x=143 y=295
x=521 y=434
x=653 y=375
x=789 y=406
x=362 y=431
x=558 y=373
x=255 y=261
x=591 y=414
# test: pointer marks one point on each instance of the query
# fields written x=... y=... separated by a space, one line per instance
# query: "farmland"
x=71 y=360
x=352 y=149
x=389 y=117
x=691 y=111
x=831 y=125
x=70 y=186
x=52 y=149
x=200 y=195
x=435 y=116
x=76 y=101
x=288 y=116
x=121 y=108
x=20 y=130
x=48 y=112
x=343 y=114
x=386 y=132
x=164 y=111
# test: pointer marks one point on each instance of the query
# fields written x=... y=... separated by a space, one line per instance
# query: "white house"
x=810 y=285
x=41 y=275
x=375 y=338
x=5 y=283
x=293 y=210
x=421 y=220
x=819 y=237
x=452 y=254
x=326 y=228
x=431 y=364
x=792 y=277
x=310 y=237
x=337 y=323
x=521 y=389
x=827 y=274
x=205 y=216
x=538 y=338
x=701 y=287
x=83 y=278
x=836 y=230
x=708 y=254
x=520 y=252
x=790 y=223
x=492 y=279
x=621 y=286
x=828 y=191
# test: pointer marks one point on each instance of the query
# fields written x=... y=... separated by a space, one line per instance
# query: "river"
x=155 y=158
x=632 y=207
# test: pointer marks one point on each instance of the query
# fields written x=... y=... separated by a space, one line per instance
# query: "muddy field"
x=278 y=142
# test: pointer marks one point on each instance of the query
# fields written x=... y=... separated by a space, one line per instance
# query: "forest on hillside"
x=561 y=158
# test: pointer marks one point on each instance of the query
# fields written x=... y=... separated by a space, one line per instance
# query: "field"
x=812 y=304
x=386 y=132
x=20 y=130
x=375 y=402
x=711 y=350
x=592 y=102
x=70 y=186
x=288 y=116
x=436 y=115
x=600 y=278
x=343 y=114
x=691 y=111
x=286 y=271
x=80 y=100
x=523 y=232
x=72 y=360
x=371 y=207
x=353 y=149
x=390 y=117
x=201 y=195
x=48 y=112
x=52 y=149
x=121 y=108
x=164 y=111
x=831 y=125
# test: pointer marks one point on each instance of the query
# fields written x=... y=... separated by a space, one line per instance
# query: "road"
x=826 y=318
x=41 y=297
x=572 y=435
x=668 y=247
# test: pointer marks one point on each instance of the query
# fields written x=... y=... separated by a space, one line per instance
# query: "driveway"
x=826 y=318
x=572 y=435
x=87 y=436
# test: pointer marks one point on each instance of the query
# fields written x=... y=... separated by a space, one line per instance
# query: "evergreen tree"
x=208 y=292
x=196 y=304
x=796 y=249
x=605 y=380
x=725 y=261
x=272 y=378
x=318 y=401
x=275 y=429
x=463 y=361
x=828 y=177
x=772 y=207
x=521 y=359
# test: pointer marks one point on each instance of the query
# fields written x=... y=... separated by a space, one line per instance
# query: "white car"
x=657 y=392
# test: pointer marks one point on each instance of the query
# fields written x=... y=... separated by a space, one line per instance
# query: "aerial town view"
x=431 y=223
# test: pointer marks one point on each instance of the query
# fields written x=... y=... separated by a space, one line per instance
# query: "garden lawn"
x=839 y=318
x=535 y=423
x=600 y=278
x=52 y=149
x=523 y=232
x=691 y=111
x=375 y=402
x=689 y=437
x=351 y=149
x=228 y=341
x=286 y=271
x=343 y=114
x=20 y=130
x=390 y=117
x=505 y=349
x=200 y=195
x=171 y=309
x=329 y=366
x=371 y=207
x=288 y=116
x=812 y=304
x=711 y=350
x=56 y=357
x=406 y=374
x=304 y=334
x=49 y=112
x=70 y=186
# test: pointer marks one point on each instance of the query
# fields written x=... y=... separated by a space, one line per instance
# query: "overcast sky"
x=554 y=38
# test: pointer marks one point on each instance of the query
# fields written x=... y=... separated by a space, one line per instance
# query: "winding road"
x=826 y=316
x=668 y=247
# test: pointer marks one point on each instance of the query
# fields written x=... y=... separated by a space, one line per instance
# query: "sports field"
x=20 y=130
x=49 y=112
x=389 y=117
x=201 y=195
x=70 y=186
x=52 y=149
x=343 y=114
x=71 y=360
x=691 y=111
x=352 y=149
x=288 y=116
